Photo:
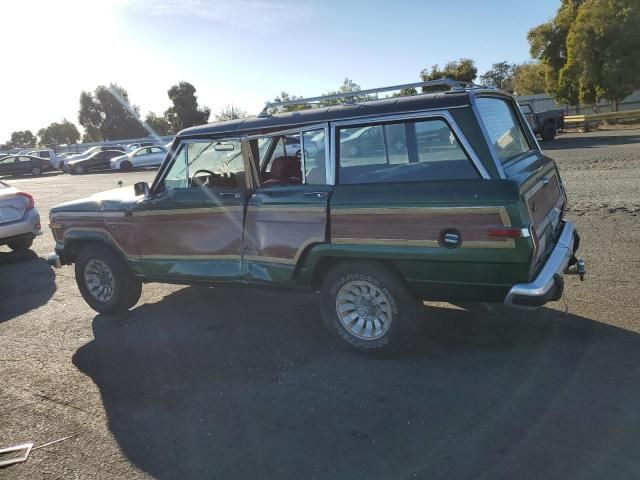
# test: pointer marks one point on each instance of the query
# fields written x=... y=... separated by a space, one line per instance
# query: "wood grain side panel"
x=282 y=234
x=414 y=226
x=119 y=230
x=212 y=233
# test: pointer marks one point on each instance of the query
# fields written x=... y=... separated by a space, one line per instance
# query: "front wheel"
x=36 y=171
x=79 y=170
x=368 y=307
x=126 y=166
x=549 y=132
x=105 y=281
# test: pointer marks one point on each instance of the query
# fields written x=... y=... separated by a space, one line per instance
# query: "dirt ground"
x=236 y=383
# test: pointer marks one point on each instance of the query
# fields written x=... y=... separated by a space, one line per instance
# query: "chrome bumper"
x=548 y=285
x=53 y=259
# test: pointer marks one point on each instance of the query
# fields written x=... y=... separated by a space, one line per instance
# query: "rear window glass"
x=411 y=151
x=504 y=128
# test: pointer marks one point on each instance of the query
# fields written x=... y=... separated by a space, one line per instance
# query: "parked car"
x=23 y=164
x=141 y=157
x=96 y=161
x=546 y=124
x=134 y=146
x=480 y=218
x=88 y=153
x=19 y=218
x=60 y=157
x=45 y=153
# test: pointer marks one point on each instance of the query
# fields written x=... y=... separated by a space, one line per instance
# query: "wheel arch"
x=76 y=240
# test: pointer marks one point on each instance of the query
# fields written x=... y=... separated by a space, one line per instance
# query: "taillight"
x=507 y=232
x=30 y=202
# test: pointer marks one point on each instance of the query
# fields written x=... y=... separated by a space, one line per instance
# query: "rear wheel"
x=105 y=281
x=368 y=307
x=36 y=171
x=21 y=245
x=549 y=132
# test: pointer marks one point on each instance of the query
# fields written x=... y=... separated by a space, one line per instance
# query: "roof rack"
x=455 y=85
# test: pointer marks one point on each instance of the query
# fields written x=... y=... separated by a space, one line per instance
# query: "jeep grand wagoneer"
x=375 y=204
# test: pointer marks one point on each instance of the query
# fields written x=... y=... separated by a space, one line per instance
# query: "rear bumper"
x=548 y=285
x=27 y=226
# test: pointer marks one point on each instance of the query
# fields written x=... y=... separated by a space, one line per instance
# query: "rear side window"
x=504 y=128
x=410 y=151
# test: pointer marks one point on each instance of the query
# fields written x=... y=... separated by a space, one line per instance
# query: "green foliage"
x=285 y=97
x=528 y=78
x=603 y=51
x=64 y=132
x=348 y=86
x=230 y=112
x=20 y=139
x=107 y=115
x=464 y=70
x=158 y=124
x=500 y=76
x=185 y=111
x=589 y=50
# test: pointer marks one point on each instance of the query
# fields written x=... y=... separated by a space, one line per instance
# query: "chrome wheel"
x=364 y=310
x=99 y=280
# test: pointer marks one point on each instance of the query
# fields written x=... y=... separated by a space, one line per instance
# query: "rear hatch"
x=12 y=205
x=537 y=175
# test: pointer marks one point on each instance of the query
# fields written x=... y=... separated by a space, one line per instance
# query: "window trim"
x=175 y=149
x=430 y=115
x=298 y=130
x=531 y=139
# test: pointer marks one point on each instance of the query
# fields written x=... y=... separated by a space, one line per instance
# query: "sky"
x=240 y=52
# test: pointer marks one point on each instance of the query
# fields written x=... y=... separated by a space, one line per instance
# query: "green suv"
x=375 y=204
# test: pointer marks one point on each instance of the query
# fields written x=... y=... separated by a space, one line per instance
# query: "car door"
x=156 y=156
x=287 y=212
x=190 y=226
x=7 y=166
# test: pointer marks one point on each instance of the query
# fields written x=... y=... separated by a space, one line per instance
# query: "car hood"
x=117 y=200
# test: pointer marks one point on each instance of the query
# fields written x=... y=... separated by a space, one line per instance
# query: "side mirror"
x=141 y=188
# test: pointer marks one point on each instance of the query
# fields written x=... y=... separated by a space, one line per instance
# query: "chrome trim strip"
x=426 y=115
x=58 y=215
x=556 y=264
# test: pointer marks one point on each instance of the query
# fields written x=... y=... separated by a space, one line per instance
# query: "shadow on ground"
x=594 y=141
x=26 y=282
x=222 y=383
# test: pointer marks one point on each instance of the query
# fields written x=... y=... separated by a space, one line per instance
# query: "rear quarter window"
x=409 y=151
x=503 y=127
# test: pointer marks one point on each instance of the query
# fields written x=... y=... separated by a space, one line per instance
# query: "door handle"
x=316 y=194
x=236 y=196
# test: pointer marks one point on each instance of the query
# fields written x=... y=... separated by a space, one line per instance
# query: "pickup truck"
x=546 y=124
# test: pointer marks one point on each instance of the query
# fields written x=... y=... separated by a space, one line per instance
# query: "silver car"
x=19 y=218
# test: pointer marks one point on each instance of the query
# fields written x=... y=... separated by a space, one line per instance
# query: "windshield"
x=504 y=128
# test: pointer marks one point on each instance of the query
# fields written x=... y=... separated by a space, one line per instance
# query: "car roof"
x=387 y=106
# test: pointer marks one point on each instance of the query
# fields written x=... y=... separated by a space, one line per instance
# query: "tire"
x=36 y=171
x=21 y=245
x=78 y=170
x=126 y=166
x=548 y=132
x=97 y=268
x=349 y=315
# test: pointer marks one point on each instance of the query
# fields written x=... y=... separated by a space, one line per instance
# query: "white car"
x=141 y=157
x=19 y=218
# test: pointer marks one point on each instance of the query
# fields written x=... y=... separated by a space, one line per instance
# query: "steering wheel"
x=197 y=172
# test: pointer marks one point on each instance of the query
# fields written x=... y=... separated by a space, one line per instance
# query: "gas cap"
x=450 y=238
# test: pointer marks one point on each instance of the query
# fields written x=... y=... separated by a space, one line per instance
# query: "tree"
x=159 y=124
x=463 y=70
x=285 y=97
x=603 y=45
x=185 y=111
x=500 y=75
x=107 y=114
x=528 y=79
x=548 y=44
x=59 y=133
x=22 y=139
x=230 y=112
x=348 y=86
